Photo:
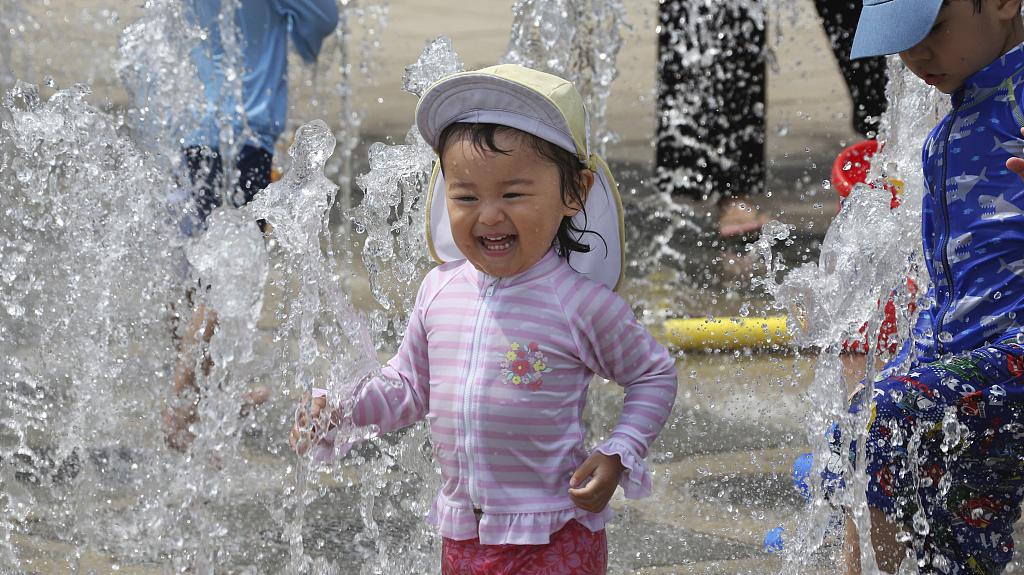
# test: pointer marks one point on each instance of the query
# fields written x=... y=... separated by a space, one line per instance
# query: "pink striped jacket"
x=500 y=367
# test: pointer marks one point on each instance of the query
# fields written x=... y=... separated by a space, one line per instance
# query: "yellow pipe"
x=726 y=332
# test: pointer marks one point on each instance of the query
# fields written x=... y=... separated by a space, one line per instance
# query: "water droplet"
x=826 y=184
x=897 y=435
x=941 y=564
x=945 y=483
x=945 y=337
x=997 y=295
x=950 y=430
x=920 y=523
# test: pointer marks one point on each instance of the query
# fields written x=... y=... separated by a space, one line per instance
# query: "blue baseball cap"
x=891 y=26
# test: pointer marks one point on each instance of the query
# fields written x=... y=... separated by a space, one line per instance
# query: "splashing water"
x=392 y=211
x=158 y=72
x=92 y=286
x=437 y=60
x=333 y=350
x=89 y=261
x=91 y=292
x=578 y=40
x=370 y=18
x=391 y=215
x=866 y=257
x=231 y=262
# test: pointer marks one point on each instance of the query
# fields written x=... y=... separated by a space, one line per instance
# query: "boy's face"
x=964 y=40
x=504 y=209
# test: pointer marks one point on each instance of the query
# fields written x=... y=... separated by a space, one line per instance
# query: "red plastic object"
x=844 y=178
x=886 y=342
x=858 y=156
x=851 y=168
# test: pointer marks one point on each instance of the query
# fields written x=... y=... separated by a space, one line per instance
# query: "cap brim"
x=893 y=26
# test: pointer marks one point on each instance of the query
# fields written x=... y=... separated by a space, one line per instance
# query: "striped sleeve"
x=400 y=395
x=615 y=346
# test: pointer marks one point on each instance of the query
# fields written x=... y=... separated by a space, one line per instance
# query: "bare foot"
x=738 y=216
x=253 y=398
x=177 y=421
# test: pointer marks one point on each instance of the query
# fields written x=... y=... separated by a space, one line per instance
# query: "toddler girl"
x=508 y=331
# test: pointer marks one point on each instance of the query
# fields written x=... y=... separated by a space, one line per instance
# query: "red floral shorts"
x=573 y=550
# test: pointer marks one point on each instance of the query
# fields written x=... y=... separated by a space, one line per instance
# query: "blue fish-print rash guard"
x=973 y=212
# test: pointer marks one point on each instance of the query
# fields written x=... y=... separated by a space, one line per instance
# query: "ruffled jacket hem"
x=460 y=523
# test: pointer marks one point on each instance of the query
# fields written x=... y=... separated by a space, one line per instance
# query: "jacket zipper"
x=947 y=273
x=467 y=397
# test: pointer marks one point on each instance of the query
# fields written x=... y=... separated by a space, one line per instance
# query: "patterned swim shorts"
x=945 y=457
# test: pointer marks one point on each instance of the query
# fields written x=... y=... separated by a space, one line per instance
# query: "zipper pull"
x=490 y=289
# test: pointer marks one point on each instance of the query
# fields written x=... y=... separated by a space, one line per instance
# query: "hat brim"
x=893 y=26
x=602 y=214
x=466 y=96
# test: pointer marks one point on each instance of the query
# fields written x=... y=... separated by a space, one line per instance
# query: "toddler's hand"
x=1015 y=164
x=309 y=428
x=604 y=472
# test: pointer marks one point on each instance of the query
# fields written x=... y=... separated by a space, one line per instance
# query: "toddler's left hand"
x=604 y=472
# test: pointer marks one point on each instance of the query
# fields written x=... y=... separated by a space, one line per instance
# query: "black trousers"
x=711 y=94
x=206 y=172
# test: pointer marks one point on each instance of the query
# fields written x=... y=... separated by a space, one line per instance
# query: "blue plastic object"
x=773 y=540
x=801 y=471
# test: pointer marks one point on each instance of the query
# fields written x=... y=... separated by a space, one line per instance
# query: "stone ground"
x=723 y=464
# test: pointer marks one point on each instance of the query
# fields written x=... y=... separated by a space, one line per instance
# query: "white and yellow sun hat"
x=547 y=107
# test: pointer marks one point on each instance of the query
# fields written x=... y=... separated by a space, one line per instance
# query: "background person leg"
x=866 y=78
x=710 y=136
x=181 y=411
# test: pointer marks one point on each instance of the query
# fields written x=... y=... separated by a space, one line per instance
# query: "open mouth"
x=497 y=244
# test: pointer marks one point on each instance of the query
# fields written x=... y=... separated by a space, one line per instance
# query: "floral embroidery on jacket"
x=524 y=365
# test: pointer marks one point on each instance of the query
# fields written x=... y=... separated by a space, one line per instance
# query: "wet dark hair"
x=570 y=173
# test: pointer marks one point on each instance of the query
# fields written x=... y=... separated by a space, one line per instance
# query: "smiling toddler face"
x=504 y=208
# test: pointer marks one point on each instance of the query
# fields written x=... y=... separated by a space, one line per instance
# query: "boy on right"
x=945 y=446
